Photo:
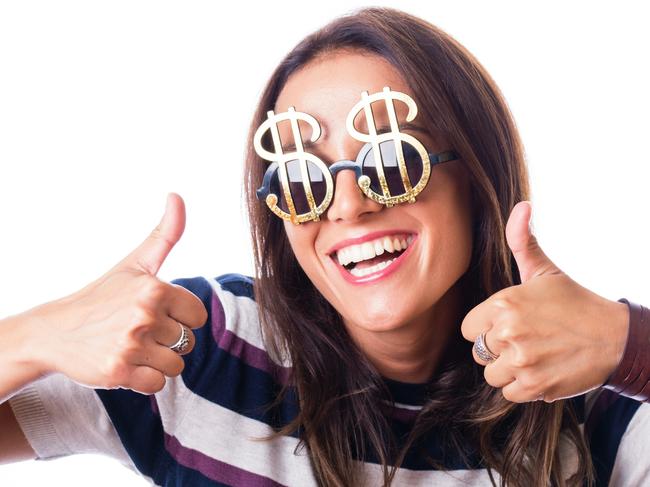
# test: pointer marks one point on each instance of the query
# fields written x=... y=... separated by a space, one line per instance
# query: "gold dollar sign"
x=271 y=123
x=375 y=139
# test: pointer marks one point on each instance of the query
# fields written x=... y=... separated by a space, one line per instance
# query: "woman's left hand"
x=554 y=338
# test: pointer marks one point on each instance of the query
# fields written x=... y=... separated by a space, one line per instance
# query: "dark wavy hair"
x=339 y=391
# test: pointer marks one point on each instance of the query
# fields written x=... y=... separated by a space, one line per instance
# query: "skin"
x=405 y=321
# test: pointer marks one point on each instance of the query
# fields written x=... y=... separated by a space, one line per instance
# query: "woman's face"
x=437 y=225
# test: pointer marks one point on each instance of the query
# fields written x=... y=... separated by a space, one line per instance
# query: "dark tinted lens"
x=318 y=187
x=393 y=177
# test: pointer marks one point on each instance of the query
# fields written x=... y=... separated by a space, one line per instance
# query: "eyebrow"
x=308 y=144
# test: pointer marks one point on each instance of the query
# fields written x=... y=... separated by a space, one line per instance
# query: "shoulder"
x=233 y=323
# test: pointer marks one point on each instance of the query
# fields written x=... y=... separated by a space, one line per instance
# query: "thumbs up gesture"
x=552 y=338
x=116 y=331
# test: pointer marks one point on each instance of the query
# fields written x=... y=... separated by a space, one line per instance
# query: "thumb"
x=150 y=254
x=531 y=259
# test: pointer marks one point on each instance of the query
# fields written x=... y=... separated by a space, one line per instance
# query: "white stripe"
x=226 y=436
x=411 y=407
x=242 y=318
x=632 y=465
x=417 y=478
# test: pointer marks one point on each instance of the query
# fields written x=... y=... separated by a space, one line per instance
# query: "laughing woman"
x=385 y=184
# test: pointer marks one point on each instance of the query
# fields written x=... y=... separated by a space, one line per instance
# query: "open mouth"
x=373 y=256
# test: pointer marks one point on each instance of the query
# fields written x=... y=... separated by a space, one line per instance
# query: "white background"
x=107 y=106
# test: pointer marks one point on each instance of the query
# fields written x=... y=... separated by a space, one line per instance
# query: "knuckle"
x=115 y=371
x=152 y=383
x=157 y=383
x=152 y=290
x=529 y=382
x=509 y=331
x=508 y=394
x=505 y=333
x=143 y=319
x=503 y=301
x=522 y=360
x=177 y=367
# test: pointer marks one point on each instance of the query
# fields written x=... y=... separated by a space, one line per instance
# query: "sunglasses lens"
x=412 y=160
x=317 y=182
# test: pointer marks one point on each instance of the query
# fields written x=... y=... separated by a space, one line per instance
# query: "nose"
x=349 y=203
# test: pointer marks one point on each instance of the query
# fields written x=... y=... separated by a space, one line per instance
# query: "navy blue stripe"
x=226 y=380
x=238 y=284
x=579 y=407
x=139 y=429
x=607 y=434
x=200 y=354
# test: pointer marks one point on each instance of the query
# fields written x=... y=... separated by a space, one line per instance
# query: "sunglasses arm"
x=265 y=189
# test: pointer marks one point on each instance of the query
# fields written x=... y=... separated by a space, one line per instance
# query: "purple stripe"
x=214 y=469
x=404 y=415
x=249 y=354
x=154 y=405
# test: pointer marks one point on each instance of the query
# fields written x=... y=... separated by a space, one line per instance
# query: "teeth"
x=369 y=270
x=379 y=248
x=388 y=244
x=368 y=250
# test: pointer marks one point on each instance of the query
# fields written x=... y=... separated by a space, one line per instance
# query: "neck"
x=413 y=351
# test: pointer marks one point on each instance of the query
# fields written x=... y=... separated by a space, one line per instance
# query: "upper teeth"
x=372 y=248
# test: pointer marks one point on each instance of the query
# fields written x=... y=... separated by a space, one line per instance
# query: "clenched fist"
x=116 y=331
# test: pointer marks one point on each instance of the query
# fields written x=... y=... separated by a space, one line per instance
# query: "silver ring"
x=481 y=349
x=181 y=345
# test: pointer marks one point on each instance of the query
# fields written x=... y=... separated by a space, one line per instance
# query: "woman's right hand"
x=116 y=331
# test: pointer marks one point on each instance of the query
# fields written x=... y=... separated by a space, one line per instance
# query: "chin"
x=379 y=321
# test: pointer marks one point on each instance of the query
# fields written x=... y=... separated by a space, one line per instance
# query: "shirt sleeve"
x=60 y=417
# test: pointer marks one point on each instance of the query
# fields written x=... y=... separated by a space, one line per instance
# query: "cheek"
x=450 y=240
x=302 y=238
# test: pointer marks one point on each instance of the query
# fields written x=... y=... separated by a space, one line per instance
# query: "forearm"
x=19 y=363
x=632 y=376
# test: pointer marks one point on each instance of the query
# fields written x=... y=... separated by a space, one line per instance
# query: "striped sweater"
x=200 y=429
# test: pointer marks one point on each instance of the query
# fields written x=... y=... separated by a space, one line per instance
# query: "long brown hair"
x=339 y=391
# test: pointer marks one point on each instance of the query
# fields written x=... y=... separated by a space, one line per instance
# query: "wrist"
x=20 y=362
x=632 y=376
x=27 y=332
x=619 y=324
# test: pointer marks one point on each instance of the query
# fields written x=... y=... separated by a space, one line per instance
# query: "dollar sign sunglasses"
x=393 y=167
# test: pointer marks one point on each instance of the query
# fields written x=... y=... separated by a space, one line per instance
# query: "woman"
x=357 y=358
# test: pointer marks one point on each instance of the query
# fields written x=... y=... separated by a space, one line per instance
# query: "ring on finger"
x=183 y=341
x=482 y=350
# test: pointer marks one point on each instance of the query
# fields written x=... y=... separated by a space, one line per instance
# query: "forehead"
x=328 y=87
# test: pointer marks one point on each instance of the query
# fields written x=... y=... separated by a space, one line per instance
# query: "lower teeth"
x=369 y=270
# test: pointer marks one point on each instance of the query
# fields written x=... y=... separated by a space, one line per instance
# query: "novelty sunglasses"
x=393 y=167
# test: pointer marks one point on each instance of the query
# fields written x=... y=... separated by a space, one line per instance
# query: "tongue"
x=377 y=259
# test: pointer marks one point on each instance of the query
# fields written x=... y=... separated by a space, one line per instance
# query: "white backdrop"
x=107 y=106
